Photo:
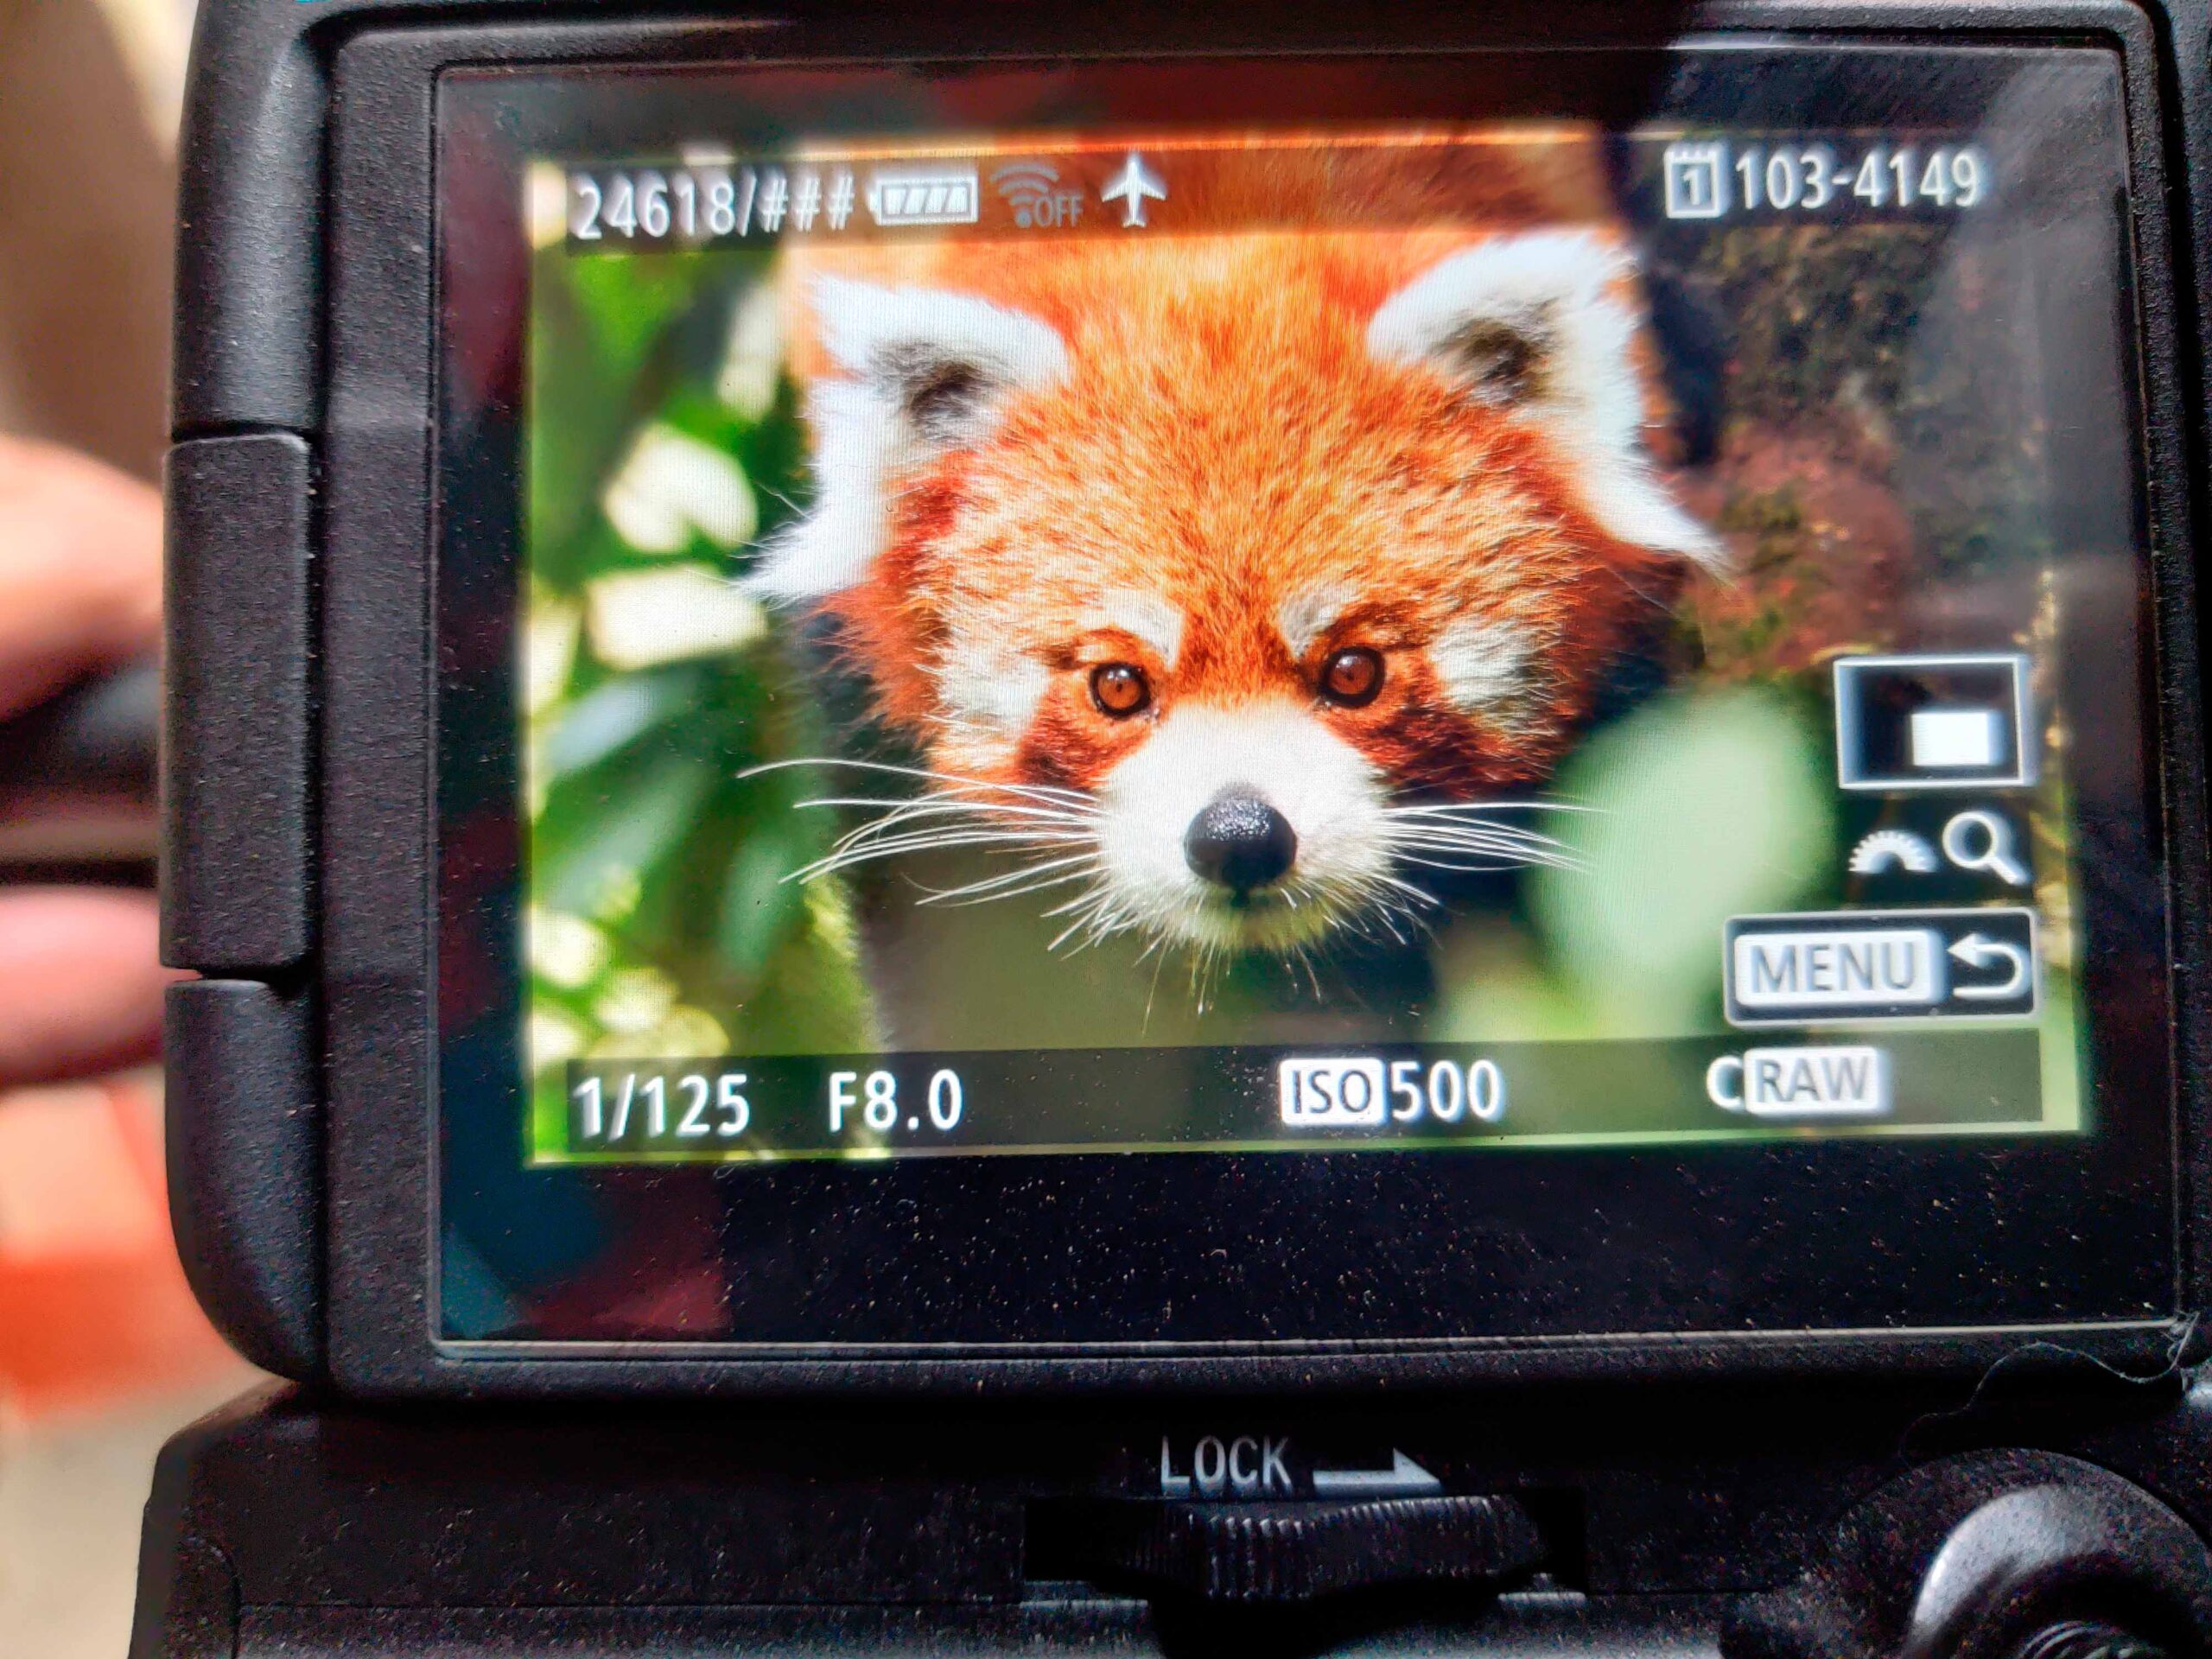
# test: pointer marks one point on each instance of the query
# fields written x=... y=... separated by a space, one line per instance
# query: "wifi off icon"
x=1033 y=190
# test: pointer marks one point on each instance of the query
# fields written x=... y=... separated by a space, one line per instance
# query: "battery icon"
x=933 y=194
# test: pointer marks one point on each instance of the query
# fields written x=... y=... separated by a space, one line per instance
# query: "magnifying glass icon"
x=1983 y=840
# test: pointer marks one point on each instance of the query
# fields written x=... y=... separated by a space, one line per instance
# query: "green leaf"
x=760 y=907
x=602 y=866
x=1702 y=806
x=612 y=716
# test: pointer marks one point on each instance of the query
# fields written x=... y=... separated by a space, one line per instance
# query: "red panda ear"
x=941 y=363
x=931 y=371
x=1530 y=324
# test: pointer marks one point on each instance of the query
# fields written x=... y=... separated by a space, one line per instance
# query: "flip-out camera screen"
x=1351 y=624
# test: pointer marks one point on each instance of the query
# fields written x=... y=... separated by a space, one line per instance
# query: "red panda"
x=1236 y=574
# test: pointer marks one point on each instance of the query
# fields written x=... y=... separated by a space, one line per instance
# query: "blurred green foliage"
x=661 y=921
x=1900 y=338
x=1819 y=312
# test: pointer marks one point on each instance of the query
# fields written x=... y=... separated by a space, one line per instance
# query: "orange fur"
x=1226 y=438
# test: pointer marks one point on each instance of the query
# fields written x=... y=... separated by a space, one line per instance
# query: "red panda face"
x=1278 y=582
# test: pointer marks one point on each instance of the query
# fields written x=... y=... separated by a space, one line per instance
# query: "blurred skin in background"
x=87 y=185
x=88 y=194
x=102 y=1352
x=80 y=591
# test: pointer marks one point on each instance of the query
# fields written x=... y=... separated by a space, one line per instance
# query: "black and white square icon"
x=1696 y=180
x=1933 y=723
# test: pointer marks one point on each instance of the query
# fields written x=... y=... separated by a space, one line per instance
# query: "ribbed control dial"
x=2083 y=1639
x=1295 y=1551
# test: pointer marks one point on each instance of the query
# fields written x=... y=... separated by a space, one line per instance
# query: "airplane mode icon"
x=1133 y=186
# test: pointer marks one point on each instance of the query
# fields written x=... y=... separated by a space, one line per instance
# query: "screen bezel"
x=379 y=511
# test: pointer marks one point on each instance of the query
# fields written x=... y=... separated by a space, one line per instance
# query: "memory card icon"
x=1951 y=721
x=1696 y=180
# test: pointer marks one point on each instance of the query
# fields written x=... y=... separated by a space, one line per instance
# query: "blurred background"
x=103 y=1353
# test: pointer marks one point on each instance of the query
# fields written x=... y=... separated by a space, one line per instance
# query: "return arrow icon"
x=1404 y=1478
x=1978 y=950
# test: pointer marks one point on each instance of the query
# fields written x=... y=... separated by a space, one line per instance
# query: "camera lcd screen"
x=1312 y=610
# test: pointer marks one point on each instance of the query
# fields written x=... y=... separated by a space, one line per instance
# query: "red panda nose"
x=1242 y=843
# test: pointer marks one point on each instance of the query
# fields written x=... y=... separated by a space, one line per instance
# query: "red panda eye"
x=1120 y=690
x=1352 y=677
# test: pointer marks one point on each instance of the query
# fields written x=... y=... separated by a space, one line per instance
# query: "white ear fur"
x=931 y=371
x=1526 y=323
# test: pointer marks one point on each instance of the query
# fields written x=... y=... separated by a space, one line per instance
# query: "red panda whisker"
x=1088 y=856
x=1202 y=975
x=954 y=834
x=1511 y=858
x=908 y=811
x=946 y=803
x=931 y=823
x=1383 y=917
x=897 y=846
x=1407 y=807
x=1031 y=878
x=1465 y=821
x=1458 y=867
x=1390 y=915
x=977 y=812
x=781 y=499
x=884 y=832
x=1470 y=835
x=1391 y=883
x=1079 y=862
x=1093 y=900
x=889 y=845
x=1521 y=851
x=1475 y=840
x=1469 y=826
x=1048 y=793
x=1107 y=919
x=1478 y=809
x=1012 y=892
x=1507 y=858
x=1152 y=991
x=1474 y=835
x=1382 y=911
x=822 y=867
x=1102 y=925
x=1474 y=864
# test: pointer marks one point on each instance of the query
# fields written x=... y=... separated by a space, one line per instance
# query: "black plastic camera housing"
x=323 y=506
x=1946 y=1409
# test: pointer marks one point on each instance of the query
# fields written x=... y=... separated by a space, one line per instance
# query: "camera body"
x=1620 y=585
